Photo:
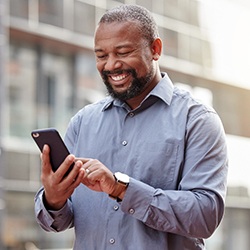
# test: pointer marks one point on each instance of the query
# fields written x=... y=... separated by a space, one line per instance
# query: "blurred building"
x=50 y=73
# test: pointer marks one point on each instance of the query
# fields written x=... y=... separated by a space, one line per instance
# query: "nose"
x=112 y=63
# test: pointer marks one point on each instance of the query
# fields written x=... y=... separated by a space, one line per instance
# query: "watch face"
x=122 y=177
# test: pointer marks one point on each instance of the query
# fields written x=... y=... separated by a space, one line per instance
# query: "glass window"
x=19 y=224
x=51 y=12
x=186 y=11
x=22 y=78
x=121 y=1
x=184 y=47
x=171 y=8
x=145 y=3
x=84 y=18
x=54 y=91
x=19 y=8
x=196 y=50
x=236 y=226
x=193 y=11
x=206 y=54
x=21 y=231
x=22 y=166
x=158 y=7
x=89 y=84
x=40 y=90
x=183 y=10
x=190 y=49
x=170 y=41
x=17 y=166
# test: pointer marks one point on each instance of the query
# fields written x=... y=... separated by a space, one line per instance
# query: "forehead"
x=116 y=33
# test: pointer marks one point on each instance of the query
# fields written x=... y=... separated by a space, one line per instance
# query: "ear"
x=156 y=48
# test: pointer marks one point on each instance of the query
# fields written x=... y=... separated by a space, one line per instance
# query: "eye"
x=101 y=56
x=123 y=54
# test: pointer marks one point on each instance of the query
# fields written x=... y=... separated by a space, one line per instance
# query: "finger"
x=64 y=167
x=84 y=160
x=92 y=165
x=87 y=171
x=45 y=157
x=73 y=175
x=78 y=179
x=87 y=167
x=88 y=175
x=94 y=173
x=87 y=181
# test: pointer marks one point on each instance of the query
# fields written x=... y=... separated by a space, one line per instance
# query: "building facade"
x=50 y=73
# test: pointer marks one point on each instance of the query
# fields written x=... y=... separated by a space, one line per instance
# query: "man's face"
x=124 y=59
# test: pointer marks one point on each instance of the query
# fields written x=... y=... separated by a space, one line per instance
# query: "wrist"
x=118 y=192
x=52 y=206
x=121 y=184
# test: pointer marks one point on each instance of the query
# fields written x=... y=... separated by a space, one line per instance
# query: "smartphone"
x=58 y=150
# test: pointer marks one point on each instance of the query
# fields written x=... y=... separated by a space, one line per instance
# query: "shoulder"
x=196 y=114
x=188 y=102
x=93 y=109
x=84 y=118
x=89 y=112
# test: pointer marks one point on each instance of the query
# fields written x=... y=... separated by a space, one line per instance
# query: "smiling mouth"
x=119 y=77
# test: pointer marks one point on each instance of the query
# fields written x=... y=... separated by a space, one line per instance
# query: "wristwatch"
x=122 y=181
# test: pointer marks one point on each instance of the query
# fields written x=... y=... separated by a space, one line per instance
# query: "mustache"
x=105 y=73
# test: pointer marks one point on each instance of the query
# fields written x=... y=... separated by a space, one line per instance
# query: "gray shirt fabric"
x=173 y=148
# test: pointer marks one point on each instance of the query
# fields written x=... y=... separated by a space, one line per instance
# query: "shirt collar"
x=163 y=90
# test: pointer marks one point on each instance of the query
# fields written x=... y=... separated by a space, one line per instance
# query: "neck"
x=136 y=101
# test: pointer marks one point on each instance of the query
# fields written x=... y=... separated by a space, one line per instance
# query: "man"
x=150 y=162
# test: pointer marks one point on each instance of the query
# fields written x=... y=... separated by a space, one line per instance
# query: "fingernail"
x=71 y=157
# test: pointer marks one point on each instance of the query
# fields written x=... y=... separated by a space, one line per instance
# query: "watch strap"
x=115 y=195
x=120 y=187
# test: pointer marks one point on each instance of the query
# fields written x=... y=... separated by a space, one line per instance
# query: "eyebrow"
x=98 y=50
x=117 y=47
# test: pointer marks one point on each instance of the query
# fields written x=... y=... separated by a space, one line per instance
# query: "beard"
x=137 y=86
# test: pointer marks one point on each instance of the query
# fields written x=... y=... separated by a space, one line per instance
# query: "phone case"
x=58 y=150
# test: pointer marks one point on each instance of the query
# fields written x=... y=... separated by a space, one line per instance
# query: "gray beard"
x=137 y=86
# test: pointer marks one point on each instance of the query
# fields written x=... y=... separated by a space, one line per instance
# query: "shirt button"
x=131 y=114
x=116 y=207
x=112 y=241
x=131 y=211
x=124 y=143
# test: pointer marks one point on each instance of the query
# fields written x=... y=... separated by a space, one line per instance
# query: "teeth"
x=118 y=78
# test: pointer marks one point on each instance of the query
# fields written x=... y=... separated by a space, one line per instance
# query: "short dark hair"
x=127 y=12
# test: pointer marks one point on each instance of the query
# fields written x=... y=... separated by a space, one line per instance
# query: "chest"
x=145 y=145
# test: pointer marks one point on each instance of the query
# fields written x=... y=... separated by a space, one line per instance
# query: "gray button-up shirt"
x=173 y=148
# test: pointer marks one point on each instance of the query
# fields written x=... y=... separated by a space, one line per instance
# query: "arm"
x=52 y=205
x=52 y=220
x=197 y=207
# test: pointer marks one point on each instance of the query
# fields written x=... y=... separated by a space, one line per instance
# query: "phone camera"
x=35 y=135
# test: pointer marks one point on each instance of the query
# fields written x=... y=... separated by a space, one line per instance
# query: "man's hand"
x=57 y=188
x=97 y=176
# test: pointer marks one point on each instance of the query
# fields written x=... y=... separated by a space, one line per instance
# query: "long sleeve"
x=197 y=207
x=49 y=220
